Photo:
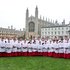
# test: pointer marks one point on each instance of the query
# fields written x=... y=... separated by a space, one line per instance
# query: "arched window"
x=31 y=27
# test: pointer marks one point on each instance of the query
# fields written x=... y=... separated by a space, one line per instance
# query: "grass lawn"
x=34 y=63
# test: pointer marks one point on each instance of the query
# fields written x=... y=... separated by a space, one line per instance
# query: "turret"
x=46 y=19
x=63 y=23
x=56 y=21
x=27 y=14
x=36 y=12
x=43 y=17
x=40 y=16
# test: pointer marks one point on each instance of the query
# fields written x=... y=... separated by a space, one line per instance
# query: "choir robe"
x=50 y=49
x=42 y=42
x=69 y=40
x=34 y=49
x=27 y=41
x=29 y=50
x=32 y=41
x=39 y=49
x=0 y=45
x=22 y=42
x=37 y=41
x=0 y=39
x=2 y=48
x=14 y=49
x=64 y=41
x=18 y=45
x=44 y=49
x=48 y=41
x=11 y=41
x=67 y=50
x=8 y=49
x=5 y=40
x=61 y=50
x=19 y=49
x=56 y=50
x=24 y=49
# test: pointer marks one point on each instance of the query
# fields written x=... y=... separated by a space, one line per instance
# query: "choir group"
x=57 y=47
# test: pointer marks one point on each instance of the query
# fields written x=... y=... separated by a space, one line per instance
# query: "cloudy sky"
x=12 y=12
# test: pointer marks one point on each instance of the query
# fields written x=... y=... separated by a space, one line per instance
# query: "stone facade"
x=34 y=24
x=7 y=32
x=58 y=31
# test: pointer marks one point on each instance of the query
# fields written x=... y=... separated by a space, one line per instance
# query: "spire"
x=46 y=19
x=11 y=26
x=36 y=12
x=69 y=22
x=56 y=21
x=27 y=13
x=40 y=16
x=36 y=7
x=63 y=23
x=43 y=17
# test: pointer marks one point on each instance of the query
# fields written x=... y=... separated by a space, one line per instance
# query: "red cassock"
x=66 y=50
x=45 y=53
x=0 y=54
x=61 y=50
x=45 y=50
x=40 y=53
x=24 y=50
x=29 y=50
x=67 y=53
x=3 y=54
x=34 y=50
x=50 y=50
x=14 y=51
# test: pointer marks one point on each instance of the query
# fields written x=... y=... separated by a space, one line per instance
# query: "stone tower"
x=27 y=16
x=36 y=12
x=34 y=24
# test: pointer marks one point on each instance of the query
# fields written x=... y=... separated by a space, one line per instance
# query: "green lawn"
x=34 y=63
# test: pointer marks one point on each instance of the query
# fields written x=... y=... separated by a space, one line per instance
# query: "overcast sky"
x=12 y=12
